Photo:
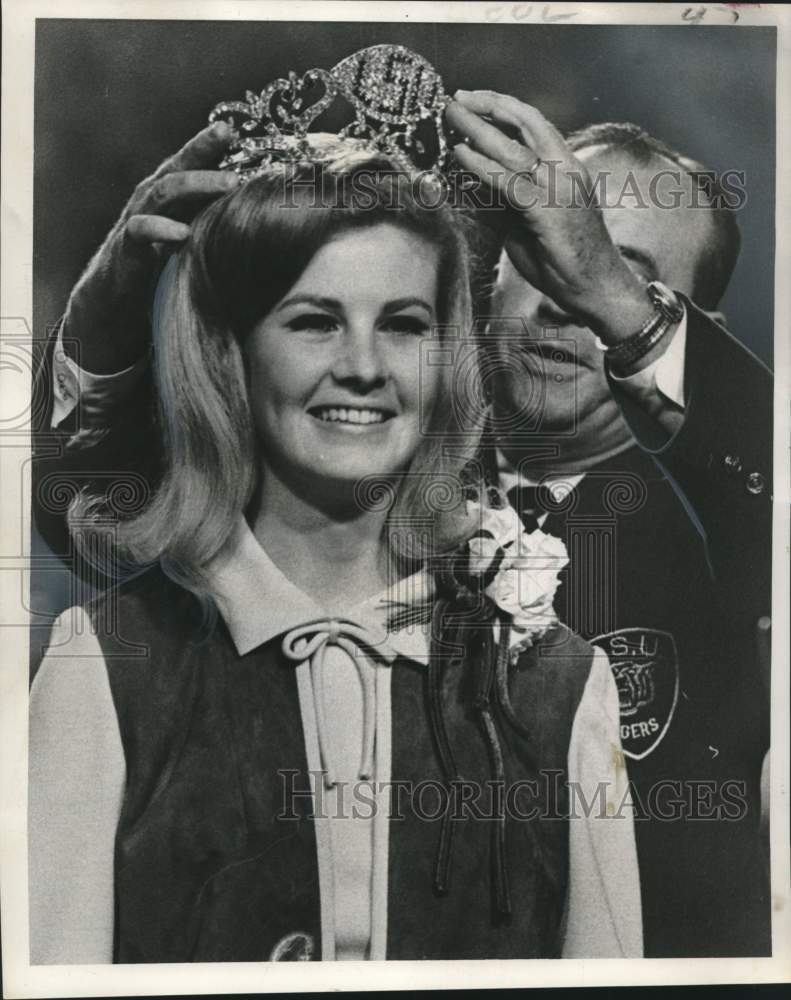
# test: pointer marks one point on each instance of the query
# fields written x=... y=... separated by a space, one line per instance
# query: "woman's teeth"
x=351 y=416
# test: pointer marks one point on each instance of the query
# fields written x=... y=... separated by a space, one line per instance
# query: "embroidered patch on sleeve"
x=644 y=663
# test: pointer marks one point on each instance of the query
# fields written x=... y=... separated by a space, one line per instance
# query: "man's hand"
x=558 y=240
x=107 y=310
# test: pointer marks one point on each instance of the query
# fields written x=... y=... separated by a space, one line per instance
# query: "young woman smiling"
x=350 y=726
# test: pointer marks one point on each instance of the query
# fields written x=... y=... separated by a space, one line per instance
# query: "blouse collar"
x=258 y=602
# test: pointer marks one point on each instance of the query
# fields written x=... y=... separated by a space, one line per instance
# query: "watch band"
x=667 y=312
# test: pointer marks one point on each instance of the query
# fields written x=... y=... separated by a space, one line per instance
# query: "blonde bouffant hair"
x=245 y=251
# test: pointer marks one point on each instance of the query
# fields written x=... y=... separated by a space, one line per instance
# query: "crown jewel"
x=391 y=89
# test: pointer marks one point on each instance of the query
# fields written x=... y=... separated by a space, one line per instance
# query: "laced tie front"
x=309 y=643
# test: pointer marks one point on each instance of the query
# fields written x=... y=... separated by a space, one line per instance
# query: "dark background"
x=114 y=98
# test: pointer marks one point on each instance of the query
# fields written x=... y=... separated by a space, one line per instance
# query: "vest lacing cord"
x=487 y=664
x=501 y=683
x=492 y=679
x=440 y=733
x=310 y=642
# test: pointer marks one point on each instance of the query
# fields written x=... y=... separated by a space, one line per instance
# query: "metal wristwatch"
x=668 y=311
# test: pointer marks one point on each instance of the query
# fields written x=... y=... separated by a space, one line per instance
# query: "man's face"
x=561 y=384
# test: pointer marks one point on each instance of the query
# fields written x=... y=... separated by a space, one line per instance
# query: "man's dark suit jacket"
x=670 y=571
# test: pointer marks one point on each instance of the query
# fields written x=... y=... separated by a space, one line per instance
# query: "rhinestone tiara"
x=391 y=90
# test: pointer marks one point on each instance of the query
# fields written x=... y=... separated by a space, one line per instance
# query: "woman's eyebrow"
x=320 y=301
x=396 y=305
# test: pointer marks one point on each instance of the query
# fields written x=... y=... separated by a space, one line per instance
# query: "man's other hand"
x=107 y=310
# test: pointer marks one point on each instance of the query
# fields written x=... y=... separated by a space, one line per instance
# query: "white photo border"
x=23 y=980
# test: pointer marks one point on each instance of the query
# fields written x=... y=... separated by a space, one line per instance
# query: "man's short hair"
x=715 y=267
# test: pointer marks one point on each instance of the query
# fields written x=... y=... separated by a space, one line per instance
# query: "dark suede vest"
x=215 y=850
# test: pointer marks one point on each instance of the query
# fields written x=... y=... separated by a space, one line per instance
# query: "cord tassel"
x=502 y=894
x=317 y=680
x=505 y=706
x=503 y=696
x=447 y=761
x=486 y=686
x=486 y=668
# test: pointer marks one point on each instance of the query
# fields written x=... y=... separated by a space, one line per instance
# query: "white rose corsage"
x=527 y=573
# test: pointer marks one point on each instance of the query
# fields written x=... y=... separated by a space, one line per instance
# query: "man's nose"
x=360 y=359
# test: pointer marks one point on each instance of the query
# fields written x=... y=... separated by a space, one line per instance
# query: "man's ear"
x=718 y=317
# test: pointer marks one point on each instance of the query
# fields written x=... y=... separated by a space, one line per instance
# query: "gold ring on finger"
x=531 y=171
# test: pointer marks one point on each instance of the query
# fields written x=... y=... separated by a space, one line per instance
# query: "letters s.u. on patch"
x=644 y=662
